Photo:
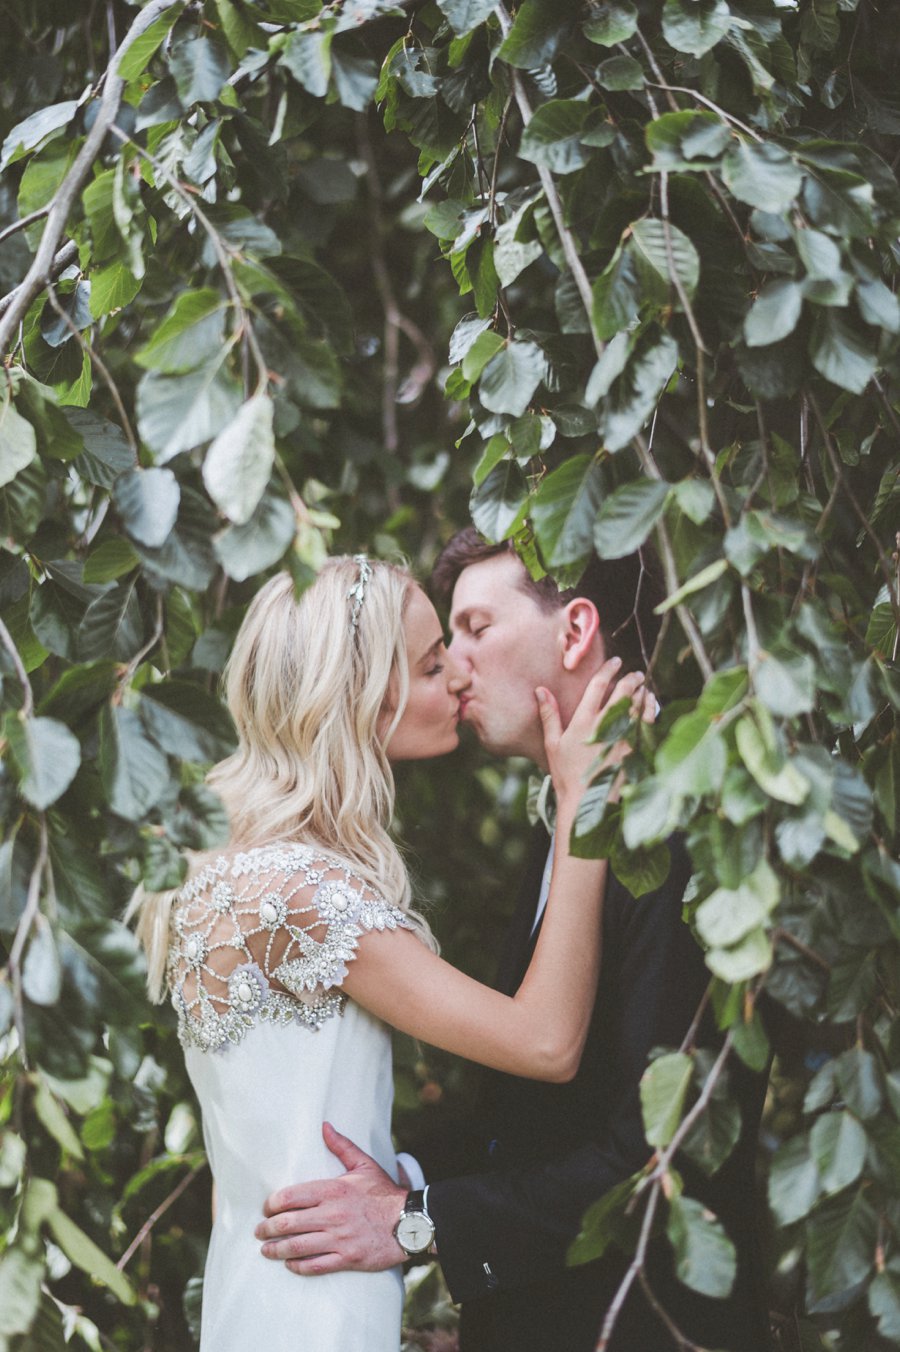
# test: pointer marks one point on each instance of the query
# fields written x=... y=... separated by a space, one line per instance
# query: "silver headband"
x=357 y=593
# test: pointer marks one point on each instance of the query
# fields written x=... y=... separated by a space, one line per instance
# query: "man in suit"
x=503 y=1227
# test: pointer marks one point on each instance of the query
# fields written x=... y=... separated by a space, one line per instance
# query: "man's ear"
x=582 y=626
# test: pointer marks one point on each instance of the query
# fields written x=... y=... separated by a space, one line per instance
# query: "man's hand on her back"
x=336 y=1224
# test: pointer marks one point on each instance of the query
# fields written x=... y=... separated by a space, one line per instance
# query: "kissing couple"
x=291 y=953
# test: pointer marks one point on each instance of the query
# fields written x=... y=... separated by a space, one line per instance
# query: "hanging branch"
x=40 y=274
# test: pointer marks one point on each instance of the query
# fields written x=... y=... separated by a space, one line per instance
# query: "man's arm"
x=511 y=1227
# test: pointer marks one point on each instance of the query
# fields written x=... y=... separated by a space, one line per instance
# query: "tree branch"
x=39 y=274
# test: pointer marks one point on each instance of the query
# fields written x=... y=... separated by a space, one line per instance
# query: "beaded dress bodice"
x=266 y=935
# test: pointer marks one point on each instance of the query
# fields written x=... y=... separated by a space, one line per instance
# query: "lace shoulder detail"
x=267 y=934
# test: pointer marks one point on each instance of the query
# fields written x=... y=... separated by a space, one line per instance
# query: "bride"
x=288 y=954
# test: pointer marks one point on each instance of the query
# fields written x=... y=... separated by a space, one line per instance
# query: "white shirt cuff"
x=413 y=1170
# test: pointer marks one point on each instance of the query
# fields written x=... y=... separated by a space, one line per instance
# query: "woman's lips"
x=462 y=709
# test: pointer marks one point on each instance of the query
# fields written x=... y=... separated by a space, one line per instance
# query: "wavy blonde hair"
x=309 y=695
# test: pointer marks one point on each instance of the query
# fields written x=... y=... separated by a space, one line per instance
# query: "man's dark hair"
x=624 y=591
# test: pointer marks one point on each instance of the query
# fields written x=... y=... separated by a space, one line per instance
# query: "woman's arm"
x=540 y=1031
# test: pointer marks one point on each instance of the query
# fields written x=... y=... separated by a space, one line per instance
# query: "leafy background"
x=284 y=278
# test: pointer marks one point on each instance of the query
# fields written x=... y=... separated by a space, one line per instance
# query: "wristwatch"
x=414 y=1231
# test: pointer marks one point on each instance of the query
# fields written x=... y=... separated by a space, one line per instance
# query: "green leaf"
x=564 y=509
x=134 y=772
x=539 y=30
x=616 y=300
x=641 y=870
x=511 y=377
x=604 y=1223
x=464 y=15
x=839 y=354
x=553 y=136
x=84 y=1253
x=36 y=130
x=774 y=314
x=53 y=1117
x=308 y=58
x=620 y=72
x=664 y=1086
x=112 y=288
x=884 y=1303
x=260 y=542
x=840 y=1247
x=794 y=1182
x=128 y=215
x=775 y=775
x=47 y=755
x=187 y=722
x=498 y=504
x=485 y=346
x=762 y=174
x=200 y=66
x=190 y=335
x=628 y=516
x=106 y=450
x=711 y=573
x=240 y=31
x=838 y=1145
x=21 y=1276
x=18 y=442
x=704 y=1255
x=786 y=682
x=355 y=79
x=729 y=915
x=692 y=759
x=636 y=393
x=694 y=27
x=743 y=961
x=135 y=60
x=112 y=626
x=616 y=22
x=238 y=464
x=651 y=246
x=177 y=413
x=878 y=305
x=112 y=559
x=651 y=812
x=42 y=972
x=148 y=500
x=714 y=1135
x=675 y=139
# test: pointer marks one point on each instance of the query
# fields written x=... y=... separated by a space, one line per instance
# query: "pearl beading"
x=283 y=893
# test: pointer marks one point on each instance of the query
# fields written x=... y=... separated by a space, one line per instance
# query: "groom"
x=502 y=1228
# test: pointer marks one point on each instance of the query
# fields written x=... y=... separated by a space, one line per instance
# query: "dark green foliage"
x=673 y=226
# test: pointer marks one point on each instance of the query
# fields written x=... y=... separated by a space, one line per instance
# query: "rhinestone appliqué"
x=295 y=915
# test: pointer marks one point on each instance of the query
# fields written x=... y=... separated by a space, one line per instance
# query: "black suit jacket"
x=549 y=1150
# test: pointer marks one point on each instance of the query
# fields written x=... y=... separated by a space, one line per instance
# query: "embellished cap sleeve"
x=267 y=935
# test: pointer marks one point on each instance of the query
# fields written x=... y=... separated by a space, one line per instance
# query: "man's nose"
x=457 y=677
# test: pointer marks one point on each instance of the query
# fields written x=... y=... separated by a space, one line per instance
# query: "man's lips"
x=462 y=708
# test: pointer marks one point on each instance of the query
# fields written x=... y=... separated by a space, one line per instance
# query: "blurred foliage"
x=630 y=266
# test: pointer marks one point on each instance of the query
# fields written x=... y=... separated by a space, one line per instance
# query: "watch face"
x=415 y=1231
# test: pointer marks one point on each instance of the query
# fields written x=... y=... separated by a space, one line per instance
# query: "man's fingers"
x=346 y=1150
x=299 y=1246
x=308 y=1221
x=317 y=1266
x=293 y=1199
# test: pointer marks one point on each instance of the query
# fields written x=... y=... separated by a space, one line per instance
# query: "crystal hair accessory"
x=357 y=593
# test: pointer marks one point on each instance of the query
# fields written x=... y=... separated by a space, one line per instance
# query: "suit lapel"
x=518 y=942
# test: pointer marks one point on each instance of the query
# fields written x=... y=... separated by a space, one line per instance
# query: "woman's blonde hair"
x=309 y=692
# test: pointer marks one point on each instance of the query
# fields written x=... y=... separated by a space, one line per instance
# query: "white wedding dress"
x=260 y=943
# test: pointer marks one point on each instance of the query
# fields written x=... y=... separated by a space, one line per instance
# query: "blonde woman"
x=289 y=954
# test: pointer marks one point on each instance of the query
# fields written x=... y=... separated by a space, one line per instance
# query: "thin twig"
x=24 y=222
x=38 y=274
x=667 y=554
x=67 y=255
x=701 y=98
x=101 y=367
x=23 y=929
x=155 y=1215
x=886 y=569
x=6 y=639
